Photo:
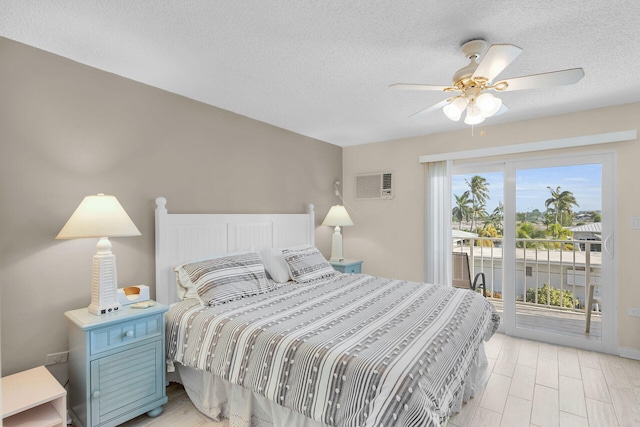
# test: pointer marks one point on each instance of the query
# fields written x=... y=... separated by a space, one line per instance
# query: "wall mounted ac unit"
x=374 y=186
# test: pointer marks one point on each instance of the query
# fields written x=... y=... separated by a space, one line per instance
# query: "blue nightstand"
x=347 y=265
x=116 y=365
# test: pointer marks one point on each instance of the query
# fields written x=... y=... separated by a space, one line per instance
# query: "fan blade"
x=554 y=78
x=428 y=110
x=411 y=86
x=497 y=58
x=503 y=109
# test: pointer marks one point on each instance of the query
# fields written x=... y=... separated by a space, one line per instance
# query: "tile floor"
x=535 y=384
x=531 y=384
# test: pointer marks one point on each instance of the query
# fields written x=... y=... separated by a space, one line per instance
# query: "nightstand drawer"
x=114 y=336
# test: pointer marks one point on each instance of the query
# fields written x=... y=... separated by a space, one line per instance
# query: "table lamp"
x=101 y=216
x=337 y=217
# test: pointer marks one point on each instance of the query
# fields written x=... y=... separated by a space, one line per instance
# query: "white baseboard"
x=629 y=353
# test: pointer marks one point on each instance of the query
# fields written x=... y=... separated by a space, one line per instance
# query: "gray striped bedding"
x=349 y=350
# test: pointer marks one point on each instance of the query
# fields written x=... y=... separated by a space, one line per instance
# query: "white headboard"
x=185 y=237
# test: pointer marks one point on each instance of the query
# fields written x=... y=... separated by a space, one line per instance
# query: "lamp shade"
x=99 y=216
x=337 y=216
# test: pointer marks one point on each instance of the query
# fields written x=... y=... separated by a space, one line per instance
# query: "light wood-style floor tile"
x=506 y=362
x=549 y=351
x=601 y=414
x=485 y=418
x=626 y=406
x=570 y=420
x=517 y=412
x=595 y=385
x=545 y=412
x=616 y=376
x=528 y=354
x=589 y=359
x=569 y=364
x=494 y=345
x=547 y=372
x=631 y=367
x=572 y=396
x=523 y=382
x=496 y=392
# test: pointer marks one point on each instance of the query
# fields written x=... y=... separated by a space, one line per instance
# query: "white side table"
x=33 y=398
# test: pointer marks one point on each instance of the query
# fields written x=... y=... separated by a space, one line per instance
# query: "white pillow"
x=274 y=262
x=307 y=264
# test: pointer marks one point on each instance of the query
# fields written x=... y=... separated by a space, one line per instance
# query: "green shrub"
x=547 y=295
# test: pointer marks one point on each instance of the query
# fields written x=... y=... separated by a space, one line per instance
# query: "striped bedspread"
x=351 y=350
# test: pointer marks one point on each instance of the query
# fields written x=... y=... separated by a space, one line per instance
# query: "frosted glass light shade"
x=337 y=216
x=454 y=109
x=98 y=216
x=474 y=115
x=488 y=104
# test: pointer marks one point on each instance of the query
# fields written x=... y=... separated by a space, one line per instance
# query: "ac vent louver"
x=374 y=186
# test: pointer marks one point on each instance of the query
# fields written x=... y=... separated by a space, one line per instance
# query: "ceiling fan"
x=472 y=84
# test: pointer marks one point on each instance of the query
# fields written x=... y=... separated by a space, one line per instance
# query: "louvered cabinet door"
x=124 y=382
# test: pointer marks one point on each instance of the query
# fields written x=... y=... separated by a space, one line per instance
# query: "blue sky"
x=584 y=181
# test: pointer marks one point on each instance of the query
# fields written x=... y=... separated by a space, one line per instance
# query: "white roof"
x=459 y=234
x=593 y=227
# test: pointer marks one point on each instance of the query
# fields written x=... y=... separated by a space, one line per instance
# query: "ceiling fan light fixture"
x=488 y=104
x=454 y=109
x=471 y=82
x=474 y=115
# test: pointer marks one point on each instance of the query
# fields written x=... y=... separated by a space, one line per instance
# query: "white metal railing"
x=562 y=265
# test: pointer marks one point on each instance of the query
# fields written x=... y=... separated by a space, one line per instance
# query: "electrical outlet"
x=53 y=358
x=634 y=312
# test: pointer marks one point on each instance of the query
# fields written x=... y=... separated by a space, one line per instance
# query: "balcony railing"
x=555 y=274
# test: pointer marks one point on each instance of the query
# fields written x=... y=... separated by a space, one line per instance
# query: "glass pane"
x=478 y=227
x=558 y=249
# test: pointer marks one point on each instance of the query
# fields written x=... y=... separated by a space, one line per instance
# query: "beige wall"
x=68 y=130
x=389 y=234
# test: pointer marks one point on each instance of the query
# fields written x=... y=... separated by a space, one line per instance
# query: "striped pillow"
x=228 y=278
x=307 y=264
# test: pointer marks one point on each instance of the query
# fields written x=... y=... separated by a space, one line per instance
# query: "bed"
x=317 y=347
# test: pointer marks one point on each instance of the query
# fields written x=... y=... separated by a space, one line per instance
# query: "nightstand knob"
x=96 y=394
x=128 y=334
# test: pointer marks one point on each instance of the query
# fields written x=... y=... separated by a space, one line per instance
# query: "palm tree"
x=462 y=210
x=488 y=231
x=496 y=218
x=567 y=201
x=526 y=230
x=562 y=203
x=479 y=189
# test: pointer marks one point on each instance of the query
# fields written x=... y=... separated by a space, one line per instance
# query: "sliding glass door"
x=542 y=232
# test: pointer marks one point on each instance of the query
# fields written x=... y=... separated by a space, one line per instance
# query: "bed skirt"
x=219 y=399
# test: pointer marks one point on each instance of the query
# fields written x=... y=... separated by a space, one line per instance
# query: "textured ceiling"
x=322 y=69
